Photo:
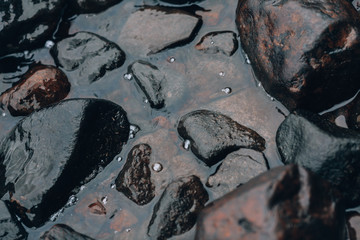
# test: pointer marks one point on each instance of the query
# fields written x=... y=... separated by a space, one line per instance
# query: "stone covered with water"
x=300 y=49
x=223 y=42
x=134 y=180
x=10 y=228
x=62 y=232
x=284 y=203
x=178 y=207
x=40 y=86
x=88 y=55
x=92 y=6
x=330 y=151
x=214 y=135
x=51 y=153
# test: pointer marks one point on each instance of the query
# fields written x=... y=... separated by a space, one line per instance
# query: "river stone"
x=236 y=169
x=49 y=154
x=62 y=232
x=330 y=151
x=213 y=135
x=10 y=228
x=92 y=6
x=300 y=49
x=224 y=42
x=134 y=180
x=176 y=211
x=287 y=202
x=90 y=56
x=40 y=86
x=153 y=29
x=181 y=1
x=27 y=24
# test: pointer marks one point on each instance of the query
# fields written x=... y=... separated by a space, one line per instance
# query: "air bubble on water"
x=128 y=230
x=271 y=98
x=146 y=100
x=104 y=200
x=247 y=60
x=128 y=76
x=72 y=201
x=49 y=44
x=171 y=59
x=187 y=144
x=212 y=42
x=3 y=114
x=226 y=90
x=119 y=159
x=222 y=74
x=56 y=215
x=113 y=185
x=82 y=187
x=157 y=167
x=259 y=84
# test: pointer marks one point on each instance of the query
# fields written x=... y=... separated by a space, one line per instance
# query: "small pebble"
x=171 y=59
x=157 y=167
x=128 y=76
x=226 y=90
x=187 y=144
x=104 y=200
x=49 y=44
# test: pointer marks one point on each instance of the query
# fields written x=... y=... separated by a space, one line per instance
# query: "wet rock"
x=134 y=180
x=177 y=209
x=181 y=1
x=330 y=151
x=284 y=203
x=300 y=49
x=62 y=231
x=353 y=225
x=27 y=24
x=218 y=42
x=93 y=6
x=40 y=86
x=213 y=135
x=10 y=228
x=88 y=55
x=236 y=169
x=52 y=152
x=153 y=29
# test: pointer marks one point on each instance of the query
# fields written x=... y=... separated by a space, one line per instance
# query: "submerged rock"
x=88 y=55
x=224 y=42
x=61 y=232
x=213 y=135
x=300 y=49
x=330 y=151
x=181 y=1
x=93 y=6
x=177 y=209
x=284 y=203
x=49 y=154
x=40 y=86
x=134 y=180
x=153 y=29
x=10 y=228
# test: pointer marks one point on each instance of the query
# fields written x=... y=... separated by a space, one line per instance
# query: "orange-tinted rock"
x=305 y=53
x=40 y=86
x=285 y=203
x=62 y=231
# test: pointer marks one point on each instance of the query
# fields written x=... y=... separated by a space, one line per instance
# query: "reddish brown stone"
x=306 y=53
x=285 y=203
x=40 y=86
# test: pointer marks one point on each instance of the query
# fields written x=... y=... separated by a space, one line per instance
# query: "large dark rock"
x=181 y=1
x=236 y=169
x=283 y=203
x=177 y=209
x=88 y=55
x=213 y=135
x=40 y=86
x=134 y=180
x=62 y=232
x=10 y=228
x=300 y=49
x=92 y=6
x=224 y=42
x=49 y=154
x=27 y=24
x=330 y=151
x=153 y=29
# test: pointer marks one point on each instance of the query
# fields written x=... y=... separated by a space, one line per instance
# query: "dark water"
x=202 y=78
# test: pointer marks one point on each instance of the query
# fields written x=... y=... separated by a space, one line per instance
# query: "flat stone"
x=61 y=232
x=10 y=228
x=287 y=202
x=212 y=135
x=223 y=42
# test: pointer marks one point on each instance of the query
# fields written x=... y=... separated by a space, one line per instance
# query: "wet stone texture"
x=236 y=169
x=40 y=86
x=134 y=180
x=284 y=203
x=218 y=42
x=300 y=49
x=10 y=229
x=61 y=232
x=353 y=225
x=212 y=135
x=25 y=24
x=88 y=55
x=92 y=6
x=52 y=152
x=330 y=151
x=177 y=209
x=153 y=29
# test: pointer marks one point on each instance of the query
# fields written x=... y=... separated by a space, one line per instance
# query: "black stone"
x=93 y=6
x=213 y=135
x=224 y=42
x=10 y=228
x=134 y=180
x=177 y=209
x=49 y=154
x=330 y=151
x=181 y=1
x=88 y=55
x=63 y=232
